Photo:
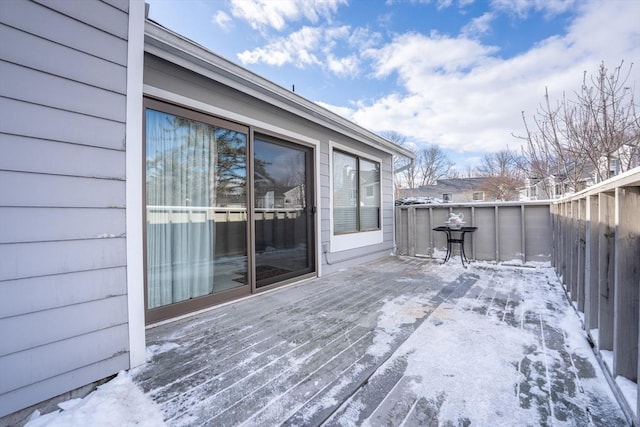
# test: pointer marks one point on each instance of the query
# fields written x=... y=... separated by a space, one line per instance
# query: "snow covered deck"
x=402 y=341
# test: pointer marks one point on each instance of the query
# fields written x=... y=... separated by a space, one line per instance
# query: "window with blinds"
x=356 y=193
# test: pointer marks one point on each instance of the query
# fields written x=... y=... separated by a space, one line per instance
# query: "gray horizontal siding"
x=34 y=294
x=74 y=368
x=46 y=23
x=58 y=324
x=23 y=260
x=52 y=224
x=46 y=89
x=123 y=5
x=19 y=154
x=19 y=118
x=28 y=189
x=100 y=15
x=63 y=290
x=53 y=58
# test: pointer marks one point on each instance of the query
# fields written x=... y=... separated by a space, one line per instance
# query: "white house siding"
x=188 y=85
x=63 y=290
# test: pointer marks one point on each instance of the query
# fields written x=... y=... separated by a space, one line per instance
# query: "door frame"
x=192 y=305
x=171 y=101
x=312 y=200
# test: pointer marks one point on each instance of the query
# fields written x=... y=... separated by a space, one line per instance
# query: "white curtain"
x=181 y=160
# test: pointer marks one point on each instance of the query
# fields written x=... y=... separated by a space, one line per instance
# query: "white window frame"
x=359 y=239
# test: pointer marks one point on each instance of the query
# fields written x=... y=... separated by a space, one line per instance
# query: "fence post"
x=411 y=230
x=573 y=250
x=591 y=264
x=431 y=232
x=626 y=281
x=606 y=258
x=496 y=224
x=566 y=233
x=580 y=253
x=523 y=242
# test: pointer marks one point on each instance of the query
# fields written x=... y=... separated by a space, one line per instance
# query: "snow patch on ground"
x=155 y=349
x=394 y=314
x=467 y=364
x=629 y=390
x=116 y=403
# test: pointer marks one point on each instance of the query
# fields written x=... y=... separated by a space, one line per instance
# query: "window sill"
x=343 y=242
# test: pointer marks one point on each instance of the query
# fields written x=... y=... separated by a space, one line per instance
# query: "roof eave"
x=173 y=47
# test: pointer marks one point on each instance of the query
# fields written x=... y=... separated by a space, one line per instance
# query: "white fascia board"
x=176 y=49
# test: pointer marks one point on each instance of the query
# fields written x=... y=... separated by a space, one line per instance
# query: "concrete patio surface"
x=399 y=342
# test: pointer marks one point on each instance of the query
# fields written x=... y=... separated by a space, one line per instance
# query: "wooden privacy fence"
x=596 y=252
x=517 y=232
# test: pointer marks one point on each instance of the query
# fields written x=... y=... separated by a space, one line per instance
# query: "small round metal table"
x=456 y=235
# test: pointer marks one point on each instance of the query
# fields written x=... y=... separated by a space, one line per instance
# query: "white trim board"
x=134 y=186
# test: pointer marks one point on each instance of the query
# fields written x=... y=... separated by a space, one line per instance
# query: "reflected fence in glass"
x=194 y=251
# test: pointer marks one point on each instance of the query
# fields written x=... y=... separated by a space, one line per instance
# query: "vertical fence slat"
x=496 y=221
x=580 y=253
x=591 y=264
x=605 y=271
x=473 y=223
x=523 y=235
x=626 y=281
x=411 y=230
x=573 y=251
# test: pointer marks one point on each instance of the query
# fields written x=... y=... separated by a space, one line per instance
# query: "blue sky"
x=455 y=73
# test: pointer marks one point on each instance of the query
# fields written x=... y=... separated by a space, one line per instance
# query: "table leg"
x=449 y=247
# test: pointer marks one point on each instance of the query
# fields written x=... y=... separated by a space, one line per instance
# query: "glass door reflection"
x=196 y=216
x=284 y=220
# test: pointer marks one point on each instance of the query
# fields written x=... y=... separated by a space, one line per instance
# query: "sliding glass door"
x=198 y=231
x=284 y=220
x=196 y=209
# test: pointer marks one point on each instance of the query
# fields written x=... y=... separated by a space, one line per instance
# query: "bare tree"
x=605 y=121
x=589 y=134
x=409 y=171
x=433 y=164
x=502 y=172
x=501 y=187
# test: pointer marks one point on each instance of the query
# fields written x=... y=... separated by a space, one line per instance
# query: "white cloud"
x=522 y=8
x=479 y=26
x=296 y=49
x=223 y=20
x=414 y=55
x=348 y=66
x=456 y=93
x=341 y=111
x=275 y=14
x=315 y=46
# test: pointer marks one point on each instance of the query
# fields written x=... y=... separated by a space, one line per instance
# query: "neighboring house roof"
x=173 y=47
x=457 y=184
